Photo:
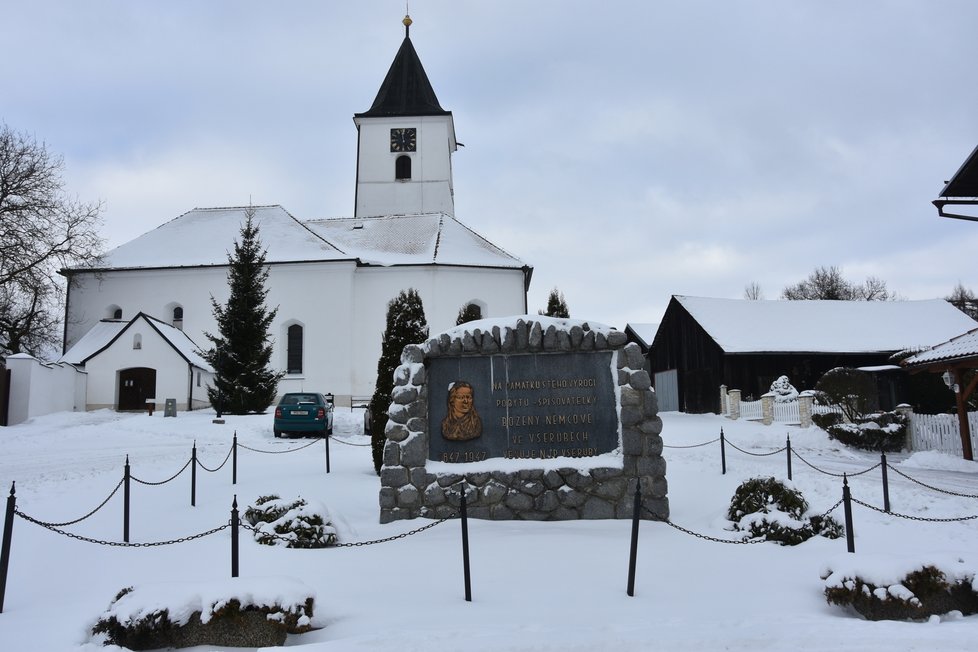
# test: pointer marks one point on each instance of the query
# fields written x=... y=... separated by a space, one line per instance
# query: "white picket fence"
x=787 y=412
x=939 y=432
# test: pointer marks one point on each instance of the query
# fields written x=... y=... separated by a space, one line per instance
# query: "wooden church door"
x=135 y=386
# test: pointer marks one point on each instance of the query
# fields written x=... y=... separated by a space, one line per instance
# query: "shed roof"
x=958 y=348
x=781 y=326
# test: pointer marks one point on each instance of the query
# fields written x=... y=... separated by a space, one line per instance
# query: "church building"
x=330 y=279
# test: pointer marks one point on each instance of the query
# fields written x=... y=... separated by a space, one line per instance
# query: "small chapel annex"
x=331 y=279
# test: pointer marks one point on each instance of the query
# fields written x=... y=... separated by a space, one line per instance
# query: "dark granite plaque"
x=533 y=406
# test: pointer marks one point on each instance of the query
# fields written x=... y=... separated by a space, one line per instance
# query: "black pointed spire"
x=406 y=89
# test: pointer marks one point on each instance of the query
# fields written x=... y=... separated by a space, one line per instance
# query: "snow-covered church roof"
x=413 y=240
x=746 y=326
x=205 y=236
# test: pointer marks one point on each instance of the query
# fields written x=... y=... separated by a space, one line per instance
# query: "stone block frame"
x=409 y=490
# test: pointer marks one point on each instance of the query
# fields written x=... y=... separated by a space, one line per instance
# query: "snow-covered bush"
x=769 y=509
x=883 y=431
x=293 y=524
x=783 y=390
x=919 y=594
x=245 y=612
x=825 y=420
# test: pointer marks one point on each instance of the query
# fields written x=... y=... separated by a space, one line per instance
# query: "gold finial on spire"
x=407 y=24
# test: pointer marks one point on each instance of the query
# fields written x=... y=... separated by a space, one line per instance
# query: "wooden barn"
x=702 y=343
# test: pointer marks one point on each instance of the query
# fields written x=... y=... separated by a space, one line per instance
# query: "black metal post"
x=8 y=532
x=633 y=553
x=788 y=449
x=126 y=477
x=847 y=505
x=463 y=512
x=723 y=454
x=327 y=452
x=193 y=476
x=235 y=522
x=886 y=484
x=234 y=459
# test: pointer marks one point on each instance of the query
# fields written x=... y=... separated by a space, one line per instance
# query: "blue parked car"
x=304 y=412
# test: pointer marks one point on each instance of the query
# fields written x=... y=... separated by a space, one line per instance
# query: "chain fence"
x=91 y=513
x=943 y=491
x=170 y=479
x=348 y=443
x=119 y=544
x=209 y=470
x=706 y=443
x=735 y=447
x=925 y=519
x=289 y=450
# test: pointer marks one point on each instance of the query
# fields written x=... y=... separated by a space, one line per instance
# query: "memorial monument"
x=538 y=418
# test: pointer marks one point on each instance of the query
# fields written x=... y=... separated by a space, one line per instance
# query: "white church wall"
x=38 y=388
x=317 y=296
x=153 y=292
x=430 y=188
x=443 y=291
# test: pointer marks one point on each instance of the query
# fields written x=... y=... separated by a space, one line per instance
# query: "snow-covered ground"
x=536 y=586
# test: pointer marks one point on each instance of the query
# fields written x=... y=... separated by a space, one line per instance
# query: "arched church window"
x=117 y=313
x=178 y=317
x=293 y=364
x=137 y=341
x=402 y=168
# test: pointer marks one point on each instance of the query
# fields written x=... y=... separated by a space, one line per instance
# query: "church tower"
x=405 y=144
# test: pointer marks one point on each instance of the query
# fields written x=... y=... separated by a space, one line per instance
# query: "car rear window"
x=295 y=399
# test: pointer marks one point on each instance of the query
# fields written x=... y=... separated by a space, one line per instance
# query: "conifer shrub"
x=852 y=390
x=920 y=594
x=765 y=508
x=293 y=524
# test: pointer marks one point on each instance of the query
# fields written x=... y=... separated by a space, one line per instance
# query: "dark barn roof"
x=406 y=89
x=962 y=189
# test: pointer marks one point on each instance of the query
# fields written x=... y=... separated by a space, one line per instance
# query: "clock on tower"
x=404 y=139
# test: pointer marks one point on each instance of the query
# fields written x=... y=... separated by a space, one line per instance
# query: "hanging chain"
x=291 y=450
x=915 y=518
x=943 y=491
x=79 y=520
x=706 y=443
x=171 y=478
x=348 y=443
x=120 y=544
x=201 y=464
x=780 y=450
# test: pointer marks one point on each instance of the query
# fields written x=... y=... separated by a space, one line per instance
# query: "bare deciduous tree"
x=828 y=283
x=964 y=300
x=753 y=291
x=42 y=230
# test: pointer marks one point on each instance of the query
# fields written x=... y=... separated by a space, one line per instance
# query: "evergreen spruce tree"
x=241 y=351
x=468 y=312
x=556 y=305
x=405 y=325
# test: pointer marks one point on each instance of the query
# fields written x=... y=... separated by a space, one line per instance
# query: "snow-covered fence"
x=751 y=410
x=768 y=409
x=939 y=432
x=38 y=388
x=787 y=412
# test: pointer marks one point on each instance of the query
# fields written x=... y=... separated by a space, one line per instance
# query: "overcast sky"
x=627 y=150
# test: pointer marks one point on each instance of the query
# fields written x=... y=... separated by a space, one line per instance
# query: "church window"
x=117 y=313
x=294 y=356
x=137 y=341
x=402 y=168
x=178 y=317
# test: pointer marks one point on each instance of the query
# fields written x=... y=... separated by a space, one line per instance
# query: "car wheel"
x=329 y=430
x=278 y=433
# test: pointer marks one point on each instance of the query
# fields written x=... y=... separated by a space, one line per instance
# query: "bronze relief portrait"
x=462 y=423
